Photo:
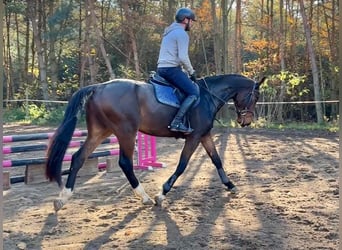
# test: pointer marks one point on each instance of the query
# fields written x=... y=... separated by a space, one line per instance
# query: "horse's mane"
x=208 y=80
x=215 y=77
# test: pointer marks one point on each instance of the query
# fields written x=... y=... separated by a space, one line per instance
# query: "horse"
x=123 y=107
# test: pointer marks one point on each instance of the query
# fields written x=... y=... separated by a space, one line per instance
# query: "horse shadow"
x=162 y=215
x=215 y=205
x=18 y=240
x=106 y=237
x=211 y=200
x=275 y=170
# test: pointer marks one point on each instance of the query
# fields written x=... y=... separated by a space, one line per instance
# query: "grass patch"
x=37 y=115
x=331 y=126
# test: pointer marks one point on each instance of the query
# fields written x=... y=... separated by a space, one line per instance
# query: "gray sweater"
x=174 y=48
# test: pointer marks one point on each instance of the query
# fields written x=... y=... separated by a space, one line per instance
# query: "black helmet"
x=183 y=13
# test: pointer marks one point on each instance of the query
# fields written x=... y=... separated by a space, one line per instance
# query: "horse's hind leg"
x=77 y=162
x=210 y=148
x=127 y=144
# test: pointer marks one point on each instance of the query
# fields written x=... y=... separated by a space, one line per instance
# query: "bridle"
x=243 y=112
x=240 y=112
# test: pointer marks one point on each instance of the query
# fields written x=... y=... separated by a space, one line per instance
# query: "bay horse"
x=123 y=107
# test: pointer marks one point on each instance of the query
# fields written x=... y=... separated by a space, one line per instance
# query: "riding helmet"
x=183 y=13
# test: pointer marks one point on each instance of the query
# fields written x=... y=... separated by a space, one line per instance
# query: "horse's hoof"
x=148 y=202
x=159 y=199
x=58 y=204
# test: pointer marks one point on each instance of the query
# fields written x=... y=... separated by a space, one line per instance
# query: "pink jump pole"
x=147 y=153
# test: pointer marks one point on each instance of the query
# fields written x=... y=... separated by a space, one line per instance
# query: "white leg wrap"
x=65 y=194
x=139 y=191
x=161 y=197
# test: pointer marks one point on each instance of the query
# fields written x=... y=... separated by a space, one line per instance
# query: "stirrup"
x=180 y=128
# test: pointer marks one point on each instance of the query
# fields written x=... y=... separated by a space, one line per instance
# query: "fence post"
x=26 y=103
x=89 y=167
x=111 y=165
x=6 y=180
x=34 y=173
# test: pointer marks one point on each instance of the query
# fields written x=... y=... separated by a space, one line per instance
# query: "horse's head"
x=245 y=102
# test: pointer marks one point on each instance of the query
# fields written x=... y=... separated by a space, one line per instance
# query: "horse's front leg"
x=210 y=148
x=188 y=150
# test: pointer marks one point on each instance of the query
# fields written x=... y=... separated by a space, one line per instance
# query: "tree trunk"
x=334 y=52
x=237 y=65
x=269 y=31
x=314 y=69
x=53 y=67
x=99 y=36
x=170 y=11
x=224 y=112
x=8 y=59
x=216 y=38
x=88 y=54
x=81 y=52
x=19 y=68
x=132 y=38
x=224 y=9
x=279 y=108
x=39 y=47
x=27 y=48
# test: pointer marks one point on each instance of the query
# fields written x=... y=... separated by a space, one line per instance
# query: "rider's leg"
x=180 y=79
x=177 y=124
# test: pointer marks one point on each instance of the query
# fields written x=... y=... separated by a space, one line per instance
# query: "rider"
x=173 y=56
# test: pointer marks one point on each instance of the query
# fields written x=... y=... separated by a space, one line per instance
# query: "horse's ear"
x=260 y=82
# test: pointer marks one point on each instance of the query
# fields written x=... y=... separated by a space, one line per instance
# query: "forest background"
x=52 y=48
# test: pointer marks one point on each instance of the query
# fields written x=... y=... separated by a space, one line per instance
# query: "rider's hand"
x=193 y=77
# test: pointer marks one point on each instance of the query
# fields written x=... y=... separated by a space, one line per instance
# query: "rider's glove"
x=193 y=77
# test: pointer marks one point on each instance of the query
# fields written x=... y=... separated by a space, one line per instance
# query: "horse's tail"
x=60 y=140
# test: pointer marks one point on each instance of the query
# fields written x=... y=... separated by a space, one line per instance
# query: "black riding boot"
x=177 y=124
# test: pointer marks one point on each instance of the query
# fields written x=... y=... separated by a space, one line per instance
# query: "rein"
x=212 y=94
x=243 y=112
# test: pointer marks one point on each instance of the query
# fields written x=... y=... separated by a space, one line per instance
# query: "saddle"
x=165 y=92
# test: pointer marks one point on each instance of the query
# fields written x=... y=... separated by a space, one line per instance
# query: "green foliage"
x=14 y=115
x=294 y=84
x=37 y=115
x=53 y=116
x=125 y=72
x=33 y=114
x=269 y=90
x=15 y=7
x=36 y=112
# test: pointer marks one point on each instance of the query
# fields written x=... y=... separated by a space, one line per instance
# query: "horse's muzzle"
x=245 y=118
